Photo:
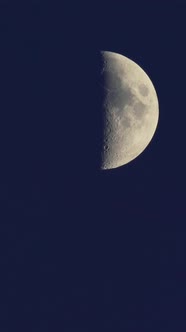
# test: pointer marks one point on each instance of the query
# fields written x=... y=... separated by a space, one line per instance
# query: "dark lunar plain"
x=82 y=249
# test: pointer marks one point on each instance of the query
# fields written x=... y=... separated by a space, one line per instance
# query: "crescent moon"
x=130 y=110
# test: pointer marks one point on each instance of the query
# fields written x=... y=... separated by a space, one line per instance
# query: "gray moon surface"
x=130 y=110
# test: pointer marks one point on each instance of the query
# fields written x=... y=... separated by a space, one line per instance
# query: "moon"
x=130 y=110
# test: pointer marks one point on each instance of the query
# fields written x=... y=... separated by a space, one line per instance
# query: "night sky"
x=82 y=249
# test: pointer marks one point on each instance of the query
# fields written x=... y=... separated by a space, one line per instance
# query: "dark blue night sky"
x=84 y=250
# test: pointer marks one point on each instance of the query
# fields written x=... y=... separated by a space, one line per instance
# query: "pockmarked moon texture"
x=130 y=110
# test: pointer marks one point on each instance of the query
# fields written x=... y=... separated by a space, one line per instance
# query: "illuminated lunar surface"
x=130 y=110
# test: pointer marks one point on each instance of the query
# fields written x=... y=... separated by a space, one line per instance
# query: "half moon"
x=130 y=110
